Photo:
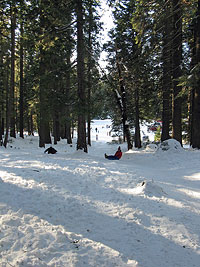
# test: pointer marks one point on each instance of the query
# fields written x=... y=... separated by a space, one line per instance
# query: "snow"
x=79 y=209
x=171 y=145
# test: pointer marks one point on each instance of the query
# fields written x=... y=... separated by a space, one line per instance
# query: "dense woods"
x=51 y=79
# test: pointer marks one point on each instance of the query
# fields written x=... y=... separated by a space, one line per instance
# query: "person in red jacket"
x=117 y=155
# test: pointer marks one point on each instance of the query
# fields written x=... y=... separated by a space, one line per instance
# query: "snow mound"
x=149 y=188
x=151 y=147
x=170 y=145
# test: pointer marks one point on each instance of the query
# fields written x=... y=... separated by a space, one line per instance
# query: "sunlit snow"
x=80 y=209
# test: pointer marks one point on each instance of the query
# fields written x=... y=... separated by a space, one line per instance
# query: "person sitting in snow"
x=50 y=150
x=117 y=155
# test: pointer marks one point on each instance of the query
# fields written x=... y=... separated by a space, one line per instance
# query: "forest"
x=52 y=82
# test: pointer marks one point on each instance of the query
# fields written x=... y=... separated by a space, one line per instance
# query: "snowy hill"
x=78 y=209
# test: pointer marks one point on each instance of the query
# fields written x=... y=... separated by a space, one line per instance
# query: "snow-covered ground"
x=78 y=209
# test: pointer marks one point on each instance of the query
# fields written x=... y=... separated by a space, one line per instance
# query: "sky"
x=79 y=209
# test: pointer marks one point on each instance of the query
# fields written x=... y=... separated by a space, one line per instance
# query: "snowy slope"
x=78 y=209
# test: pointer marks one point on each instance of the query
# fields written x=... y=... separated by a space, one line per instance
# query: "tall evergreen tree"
x=2 y=71
x=196 y=85
x=89 y=71
x=122 y=102
x=13 y=11
x=167 y=72
x=177 y=72
x=127 y=60
x=81 y=141
x=44 y=130
x=92 y=29
x=21 y=104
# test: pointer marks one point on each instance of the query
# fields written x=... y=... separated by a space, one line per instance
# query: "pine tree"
x=92 y=29
x=13 y=11
x=176 y=72
x=81 y=141
x=196 y=85
x=21 y=104
x=44 y=129
x=167 y=72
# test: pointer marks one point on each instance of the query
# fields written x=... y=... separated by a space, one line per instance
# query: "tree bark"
x=167 y=74
x=81 y=141
x=89 y=76
x=21 y=100
x=1 y=94
x=122 y=104
x=137 y=120
x=177 y=61
x=196 y=89
x=67 y=109
x=7 y=107
x=56 y=128
x=44 y=129
x=12 y=81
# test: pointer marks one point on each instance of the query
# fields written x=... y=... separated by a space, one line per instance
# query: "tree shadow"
x=81 y=214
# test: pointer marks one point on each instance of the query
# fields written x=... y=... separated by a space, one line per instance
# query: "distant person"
x=117 y=155
x=50 y=150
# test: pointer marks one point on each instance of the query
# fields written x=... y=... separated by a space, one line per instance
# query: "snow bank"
x=148 y=189
x=170 y=145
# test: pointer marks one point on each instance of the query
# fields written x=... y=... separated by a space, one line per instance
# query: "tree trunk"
x=42 y=120
x=122 y=104
x=1 y=94
x=190 y=115
x=177 y=61
x=44 y=129
x=192 y=89
x=12 y=81
x=137 y=120
x=68 y=132
x=67 y=109
x=167 y=82
x=7 y=108
x=196 y=89
x=21 y=100
x=31 y=124
x=89 y=102
x=81 y=141
x=89 y=76
x=56 y=128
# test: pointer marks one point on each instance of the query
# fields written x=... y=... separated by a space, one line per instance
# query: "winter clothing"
x=117 y=155
x=50 y=150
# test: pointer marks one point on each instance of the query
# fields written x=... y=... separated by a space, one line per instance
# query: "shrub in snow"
x=170 y=144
